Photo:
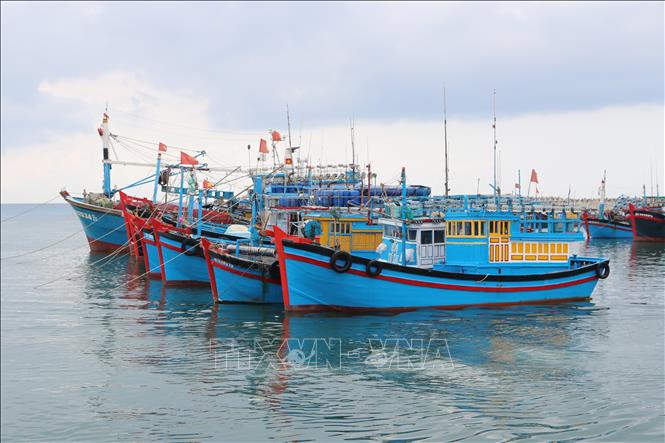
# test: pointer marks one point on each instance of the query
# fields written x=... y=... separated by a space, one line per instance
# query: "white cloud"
x=565 y=148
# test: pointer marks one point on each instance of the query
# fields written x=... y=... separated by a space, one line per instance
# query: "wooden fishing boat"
x=606 y=224
x=648 y=223
x=483 y=258
x=102 y=223
x=607 y=227
x=242 y=274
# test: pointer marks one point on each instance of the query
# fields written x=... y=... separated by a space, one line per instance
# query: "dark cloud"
x=331 y=60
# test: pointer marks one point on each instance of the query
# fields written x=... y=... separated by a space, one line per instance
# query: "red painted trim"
x=649 y=239
x=607 y=225
x=155 y=232
x=448 y=286
x=205 y=244
x=631 y=211
x=295 y=310
x=154 y=275
x=244 y=274
x=129 y=227
x=171 y=247
x=100 y=246
x=279 y=247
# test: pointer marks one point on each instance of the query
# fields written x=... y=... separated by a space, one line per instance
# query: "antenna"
x=288 y=123
x=494 y=127
x=446 y=189
x=651 y=173
x=353 y=145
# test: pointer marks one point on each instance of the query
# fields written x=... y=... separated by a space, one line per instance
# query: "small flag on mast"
x=186 y=159
x=517 y=186
x=207 y=184
x=276 y=136
x=263 y=147
x=162 y=147
x=534 y=176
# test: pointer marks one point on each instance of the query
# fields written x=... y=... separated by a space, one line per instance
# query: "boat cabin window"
x=499 y=228
x=425 y=237
x=340 y=228
x=471 y=228
x=392 y=231
x=439 y=236
x=572 y=227
x=411 y=235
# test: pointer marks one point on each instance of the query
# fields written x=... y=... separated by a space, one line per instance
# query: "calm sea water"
x=98 y=353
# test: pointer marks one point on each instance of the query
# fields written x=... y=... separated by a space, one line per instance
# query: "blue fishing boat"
x=242 y=274
x=101 y=219
x=607 y=224
x=100 y=216
x=475 y=257
x=648 y=221
x=248 y=271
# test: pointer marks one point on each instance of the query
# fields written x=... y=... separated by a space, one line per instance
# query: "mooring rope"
x=30 y=209
x=54 y=243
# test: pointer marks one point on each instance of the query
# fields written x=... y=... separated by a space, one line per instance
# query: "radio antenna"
x=446 y=189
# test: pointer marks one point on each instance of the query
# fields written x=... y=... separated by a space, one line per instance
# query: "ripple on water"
x=102 y=355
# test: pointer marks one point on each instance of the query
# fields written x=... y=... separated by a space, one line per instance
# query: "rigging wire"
x=30 y=209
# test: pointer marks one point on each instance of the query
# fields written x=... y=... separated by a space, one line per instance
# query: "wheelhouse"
x=482 y=241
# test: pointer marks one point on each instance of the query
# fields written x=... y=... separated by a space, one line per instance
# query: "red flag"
x=534 y=176
x=276 y=136
x=263 y=147
x=207 y=184
x=186 y=159
x=162 y=147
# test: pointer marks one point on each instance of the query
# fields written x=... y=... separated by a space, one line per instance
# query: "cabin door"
x=499 y=241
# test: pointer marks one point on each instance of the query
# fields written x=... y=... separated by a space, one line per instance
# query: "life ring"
x=273 y=270
x=342 y=256
x=373 y=268
x=190 y=250
x=603 y=270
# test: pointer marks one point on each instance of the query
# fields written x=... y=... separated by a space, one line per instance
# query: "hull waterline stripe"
x=448 y=286
x=322 y=308
x=243 y=274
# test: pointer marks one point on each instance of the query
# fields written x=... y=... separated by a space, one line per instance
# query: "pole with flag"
x=263 y=147
x=534 y=179
x=160 y=148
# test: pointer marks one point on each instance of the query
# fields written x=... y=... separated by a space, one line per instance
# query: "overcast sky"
x=579 y=88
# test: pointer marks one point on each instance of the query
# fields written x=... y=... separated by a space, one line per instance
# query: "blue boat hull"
x=151 y=254
x=178 y=266
x=311 y=284
x=242 y=281
x=597 y=228
x=103 y=227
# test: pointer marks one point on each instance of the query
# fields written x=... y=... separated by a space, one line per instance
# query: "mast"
x=601 y=192
x=288 y=159
x=105 y=154
x=446 y=189
x=494 y=128
x=403 y=216
x=353 y=151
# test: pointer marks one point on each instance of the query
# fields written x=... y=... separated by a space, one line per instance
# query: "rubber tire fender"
x=336 y=257
x=189 y=250
x=373 y=268
x=273 y=270
x=603 y=270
